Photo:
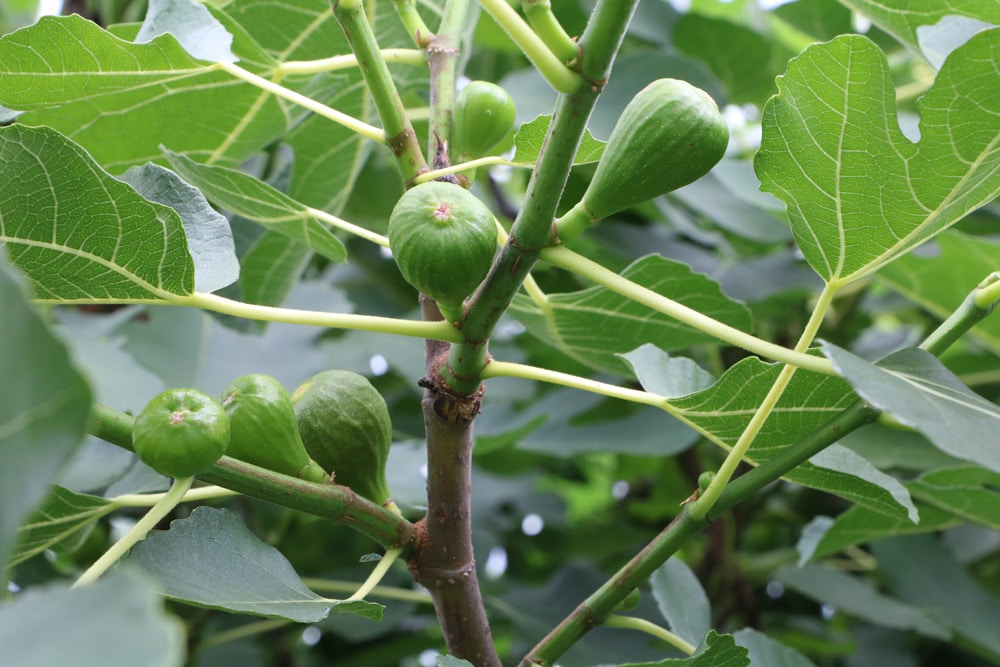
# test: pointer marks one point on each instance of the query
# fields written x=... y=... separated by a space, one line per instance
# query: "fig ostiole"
x=346 y=428
x=181 y=433
x=670 y=134
x=443 y=239
x=264 y=430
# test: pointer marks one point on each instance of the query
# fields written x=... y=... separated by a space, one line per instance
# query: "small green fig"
x=181 y=432
x=263 y=429
x=443 y=240
x=346 y=428
x=669 y=135
x=483 y=115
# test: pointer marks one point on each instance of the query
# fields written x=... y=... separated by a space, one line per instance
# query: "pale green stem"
x=988 y=293
x=391 y=325
x=412 y=21
x=467 y=166
x=567 y=259
x=349 y=61
x=547 y=26
x=241 y=632
x=560 y=77
x=349 y=227
x=192 y=496
x=540 y=298
x=642 y=625
x=381 y=568
x=496 y=369
x=142 y=527
x=384 y=592
x=707 y=498
x=350 y=122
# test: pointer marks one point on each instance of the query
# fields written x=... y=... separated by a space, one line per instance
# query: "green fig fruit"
x=263 y=429
x=669 y=135
x=181 y=432
x=346 y=428
x=483 y=115
x=443 y=240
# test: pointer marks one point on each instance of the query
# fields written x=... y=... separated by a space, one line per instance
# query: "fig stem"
x=560 y=77
x=155 y=514
x=413 y=57
x=339 y=117
x=414 y=24
x=572 y=223
x=650 y=628
x=376 y=576
x=400 y=137
x=547 y=26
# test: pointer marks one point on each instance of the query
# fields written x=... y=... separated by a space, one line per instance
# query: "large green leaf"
x=722 y=411
x=43 y=412
x=941 y=282
x=915 y=388
x=859 y=525
x=96 y=88
x=250 y=197
x=567 y=321
x=211 y=559
x=81 y=235
x=859 y=193
x=116 y=622
x=902 y=19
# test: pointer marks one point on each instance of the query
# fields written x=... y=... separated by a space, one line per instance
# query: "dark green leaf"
x=251 y=198
x=767 y=651
x=62 y=518
x=209 y=238
x=530 y=137
x=954 y=598
x=856 y=597
x=211 y=559
x=44 y=411
x=116 y=622
x=682 y=600
x=915 y=388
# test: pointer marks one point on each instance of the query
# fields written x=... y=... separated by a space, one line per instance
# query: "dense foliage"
x=749 y=421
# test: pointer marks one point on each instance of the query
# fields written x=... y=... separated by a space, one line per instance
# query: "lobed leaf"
x=859 y=194
x=81 y=235
x=530 y=138
x=903 y=19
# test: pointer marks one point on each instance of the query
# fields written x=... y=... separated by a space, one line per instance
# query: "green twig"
x=532 y=229
x=442 y=60
x=400 y=137
x=419 y=32
x=596 y=608
x=547 y=26
x=139 y=531
x=560 y=77
x=337 y=503
x=377 y=574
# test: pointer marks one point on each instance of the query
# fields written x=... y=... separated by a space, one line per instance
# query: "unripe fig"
x=669 y=135
x=346 y=428
x=181 y=433
x=483 y=115
x=443 y=239
x=263 y=429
